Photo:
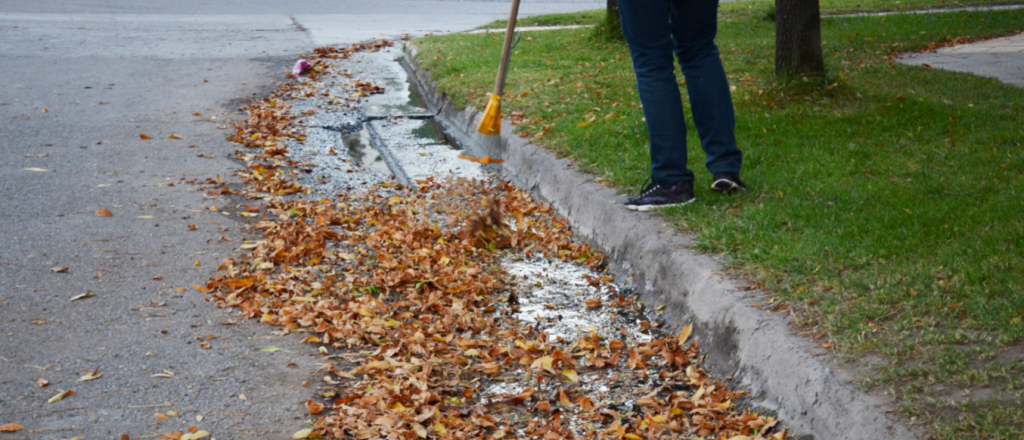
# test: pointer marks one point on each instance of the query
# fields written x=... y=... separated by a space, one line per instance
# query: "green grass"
x=885 y=202
x=596 y=16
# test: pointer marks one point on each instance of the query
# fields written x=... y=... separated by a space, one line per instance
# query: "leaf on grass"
x=82 y=296
x=11 y=427
x=60 y=396
x=58 y=269
x=103 y=212
x=145 y=136
x=302 y=433
x=38 y=170
x=685 y=334
x=95 y=374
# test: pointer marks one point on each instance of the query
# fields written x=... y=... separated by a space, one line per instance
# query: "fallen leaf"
x=174 y=136
x=38 y=170
x=302 y=433
x=59 y=269
x=104 y=212
x=571 y=375
x=194 y=435
x=564 y=399
x=205 y=345
x=42 y=382
x=270 y=349
x=82 y=296
x=167 y=374
x=145 y=136
x=158 y=277
x=242 y=397
x=172 y=413
x=314 y=408
x=46 y=110
x=173 y=435
x=685 y=334
x=90 y=376
x=160 y=416
x=38 y=322
x=146 y=217
x=60 y=396
x=191 y=227
x=125 y=437
x=11 y=427
x=593 y=302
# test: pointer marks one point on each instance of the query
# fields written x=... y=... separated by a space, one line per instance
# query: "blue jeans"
x=654 y=29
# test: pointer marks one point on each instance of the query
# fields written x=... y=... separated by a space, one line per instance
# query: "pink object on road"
x=301 y=66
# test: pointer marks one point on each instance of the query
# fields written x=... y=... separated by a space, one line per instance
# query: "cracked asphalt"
x=82 y=81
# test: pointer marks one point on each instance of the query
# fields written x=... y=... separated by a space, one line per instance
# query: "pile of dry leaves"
x=402 y=289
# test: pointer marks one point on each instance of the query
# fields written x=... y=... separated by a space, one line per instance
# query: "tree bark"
x=611 y=21
x=798 y=38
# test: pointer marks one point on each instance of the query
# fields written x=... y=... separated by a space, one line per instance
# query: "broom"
x=491 y=122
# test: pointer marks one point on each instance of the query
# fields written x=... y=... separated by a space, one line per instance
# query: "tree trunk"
x=798 y=38
x=611 y=20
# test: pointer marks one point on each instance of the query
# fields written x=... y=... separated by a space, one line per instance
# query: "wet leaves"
x=408 y=281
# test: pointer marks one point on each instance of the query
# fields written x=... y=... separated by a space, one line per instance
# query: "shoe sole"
x=726 y=186
x=646 y=208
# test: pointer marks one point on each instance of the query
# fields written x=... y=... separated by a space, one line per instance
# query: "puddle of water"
x=360 y=149
x=421 y=151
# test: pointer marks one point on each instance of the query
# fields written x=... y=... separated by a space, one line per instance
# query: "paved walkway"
x=1000 y=58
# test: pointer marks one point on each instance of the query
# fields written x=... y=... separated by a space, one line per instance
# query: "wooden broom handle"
x=499 y=82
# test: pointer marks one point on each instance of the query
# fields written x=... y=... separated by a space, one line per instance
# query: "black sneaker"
x=654 y=196
x=727 y=182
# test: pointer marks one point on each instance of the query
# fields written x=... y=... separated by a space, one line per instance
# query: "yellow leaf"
x=82 y=296
x=160 y=416
x=146 y=216
x=571 y=375
x=632 y=436
x=421 y=431
x=270 y=349
x=174 y=136
x=145 y=136
x=377 y=365
x=60 y=396
x=440 y=429
x=685 y=334
x=90 y=376
x=196 y=262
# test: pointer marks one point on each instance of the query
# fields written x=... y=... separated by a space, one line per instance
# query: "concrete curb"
x=757 y=348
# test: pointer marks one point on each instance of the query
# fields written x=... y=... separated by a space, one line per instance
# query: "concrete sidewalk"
x=999 y=58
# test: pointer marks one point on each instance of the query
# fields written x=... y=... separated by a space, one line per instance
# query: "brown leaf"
x=564 y=399
x=42 y=382
x=593 y=302
x=160 y=416
x=158 y=277
x=191 y=227
x=104 y=212
x=58 y=269
x=145 y=136
x=174 y=136
x=314 y=408
x=11 y=427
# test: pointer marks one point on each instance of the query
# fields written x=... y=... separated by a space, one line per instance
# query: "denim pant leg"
x=694 y=25
x=648 y=32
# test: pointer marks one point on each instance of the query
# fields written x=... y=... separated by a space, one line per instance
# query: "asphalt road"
x=82 y=80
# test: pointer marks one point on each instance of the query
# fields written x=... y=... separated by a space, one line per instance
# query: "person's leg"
x=694 y=25
x=648 y=32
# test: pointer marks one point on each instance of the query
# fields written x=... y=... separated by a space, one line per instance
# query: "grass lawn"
x=827 y=7
x=885 y=204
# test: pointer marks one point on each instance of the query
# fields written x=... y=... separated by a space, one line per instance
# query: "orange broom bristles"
x=491 y=122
